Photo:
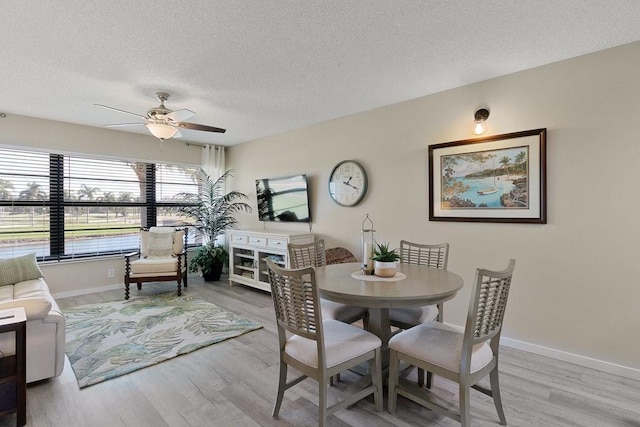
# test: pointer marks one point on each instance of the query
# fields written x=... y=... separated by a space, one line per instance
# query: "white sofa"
x=45 y=323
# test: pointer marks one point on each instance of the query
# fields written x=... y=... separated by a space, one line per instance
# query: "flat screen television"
x=283 y=199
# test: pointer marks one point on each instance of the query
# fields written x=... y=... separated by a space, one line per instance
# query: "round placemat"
x=372 y=278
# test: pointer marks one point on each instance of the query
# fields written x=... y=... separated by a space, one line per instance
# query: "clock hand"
x=348 y=181
x=352 y=186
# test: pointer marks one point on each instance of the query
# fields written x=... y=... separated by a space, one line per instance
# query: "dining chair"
x=436 y=256
x=463 y=357
x=314 y=255
x=317 y=348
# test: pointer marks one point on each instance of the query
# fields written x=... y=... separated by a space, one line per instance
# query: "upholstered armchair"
x=162 y=257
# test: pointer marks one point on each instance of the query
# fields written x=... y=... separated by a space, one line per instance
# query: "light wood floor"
x=234 y=383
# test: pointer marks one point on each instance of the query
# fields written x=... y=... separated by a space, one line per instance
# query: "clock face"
x=348 y=183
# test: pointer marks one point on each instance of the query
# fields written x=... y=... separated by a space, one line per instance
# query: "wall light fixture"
x=480 y=118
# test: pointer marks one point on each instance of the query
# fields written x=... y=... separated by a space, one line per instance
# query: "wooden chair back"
x=486 y=309
x=295 y=300
x=307 y=254
x=436 y=256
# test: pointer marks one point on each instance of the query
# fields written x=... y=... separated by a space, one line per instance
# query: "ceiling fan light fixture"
x=161 y=131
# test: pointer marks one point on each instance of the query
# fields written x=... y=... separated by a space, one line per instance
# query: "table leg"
x=21 y=377
x=380 y=325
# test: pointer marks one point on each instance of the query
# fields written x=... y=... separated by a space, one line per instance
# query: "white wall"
x=576 y=289
x=75 y=277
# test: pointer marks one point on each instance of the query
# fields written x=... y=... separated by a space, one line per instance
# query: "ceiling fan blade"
x=121 y=111
x=195 y=126
x=115 y=125
x=179 y=115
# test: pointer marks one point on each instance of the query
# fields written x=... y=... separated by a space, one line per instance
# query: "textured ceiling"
x=259 y=68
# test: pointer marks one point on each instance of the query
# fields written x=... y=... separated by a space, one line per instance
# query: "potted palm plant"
x=211 y=212
x=384 y=260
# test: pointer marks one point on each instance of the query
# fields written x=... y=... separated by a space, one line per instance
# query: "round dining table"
x=412 y=286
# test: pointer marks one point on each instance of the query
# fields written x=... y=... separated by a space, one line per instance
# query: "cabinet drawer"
x=257 y=241
x=277 y=243
x=238 y=238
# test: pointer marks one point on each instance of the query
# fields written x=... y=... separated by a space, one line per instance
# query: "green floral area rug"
x=110 y=339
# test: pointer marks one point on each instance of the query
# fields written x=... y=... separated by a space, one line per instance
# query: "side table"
x=13 y=368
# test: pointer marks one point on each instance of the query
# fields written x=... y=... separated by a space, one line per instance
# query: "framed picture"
x=499 y=178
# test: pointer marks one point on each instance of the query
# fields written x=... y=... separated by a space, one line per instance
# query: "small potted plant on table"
x=385 y=260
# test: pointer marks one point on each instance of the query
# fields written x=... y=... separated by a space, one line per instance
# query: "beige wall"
x=576 y=289
x=75 y=277
x=576 y=292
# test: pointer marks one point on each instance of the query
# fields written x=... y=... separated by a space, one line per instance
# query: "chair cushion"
x=414 y=315
x=339 y=256
x=178 y=242
x=342 y=343
x=439 y=345
x=19 y=269
x=177 y=245
x=154 y=265
x=160 y=242
x=338 y=311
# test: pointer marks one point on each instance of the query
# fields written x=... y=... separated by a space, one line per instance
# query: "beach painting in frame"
x=491 y=179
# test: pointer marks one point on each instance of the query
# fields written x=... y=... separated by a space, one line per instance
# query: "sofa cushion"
x=35 y=308
x=6 y=293
x=19 y=269
x=31 y=288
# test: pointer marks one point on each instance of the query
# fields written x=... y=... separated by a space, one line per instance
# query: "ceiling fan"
x=162 y=122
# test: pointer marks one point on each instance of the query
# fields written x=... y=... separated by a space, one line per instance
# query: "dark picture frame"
x=500 y=178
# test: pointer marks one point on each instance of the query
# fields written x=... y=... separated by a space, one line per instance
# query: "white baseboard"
x=588 y=362
x=87 y=291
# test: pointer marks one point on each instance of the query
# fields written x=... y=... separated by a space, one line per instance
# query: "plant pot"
x=213 y=275
x=384 y=269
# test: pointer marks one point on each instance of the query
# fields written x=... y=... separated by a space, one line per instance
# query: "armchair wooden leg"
x=126 y=290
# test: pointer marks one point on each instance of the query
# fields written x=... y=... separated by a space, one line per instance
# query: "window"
x=62 y=206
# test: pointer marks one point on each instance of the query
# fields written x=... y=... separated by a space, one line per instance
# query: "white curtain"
x=213 y=164
x=213 y=161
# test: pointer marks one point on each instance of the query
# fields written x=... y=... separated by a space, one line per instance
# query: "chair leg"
x=139 y=285
x=126 y=290
x=465 y=411
x=179 y=289
x=282 y=385
x=375 y=367
x=495 y=393
x=393 y=381
x=334 y=379
x=322 y=402
x=421 y=378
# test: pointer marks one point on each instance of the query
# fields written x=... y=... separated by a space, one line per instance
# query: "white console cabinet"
x=249 y=249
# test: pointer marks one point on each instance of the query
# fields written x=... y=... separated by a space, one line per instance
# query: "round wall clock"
x=348 y=183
